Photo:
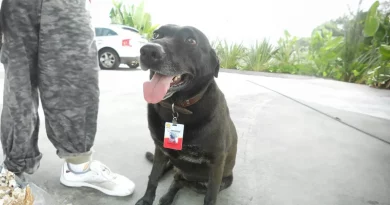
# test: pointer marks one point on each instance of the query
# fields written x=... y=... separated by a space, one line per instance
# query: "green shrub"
x=258 y=56
x=286 y=54
x=134 y=16
x=352 y=48
x=230 y=56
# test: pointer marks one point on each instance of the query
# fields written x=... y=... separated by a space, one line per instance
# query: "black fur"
x=207 y=159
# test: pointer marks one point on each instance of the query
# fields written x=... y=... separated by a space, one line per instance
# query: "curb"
x=267 y=74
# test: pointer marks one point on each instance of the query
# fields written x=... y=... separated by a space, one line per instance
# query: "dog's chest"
x=189 y=153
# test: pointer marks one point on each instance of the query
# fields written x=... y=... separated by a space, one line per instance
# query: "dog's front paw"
x=144 y=201
x=166 y=200
x=209 y=201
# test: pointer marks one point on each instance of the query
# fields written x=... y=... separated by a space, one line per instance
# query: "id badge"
x=173 y=136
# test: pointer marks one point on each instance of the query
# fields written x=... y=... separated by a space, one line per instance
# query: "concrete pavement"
x=291 y=151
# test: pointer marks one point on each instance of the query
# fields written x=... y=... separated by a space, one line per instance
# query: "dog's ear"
x=215 y=62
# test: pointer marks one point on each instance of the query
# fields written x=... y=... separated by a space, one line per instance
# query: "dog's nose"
x=151 y=53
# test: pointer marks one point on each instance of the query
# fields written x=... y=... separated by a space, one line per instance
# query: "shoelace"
x=107 y=171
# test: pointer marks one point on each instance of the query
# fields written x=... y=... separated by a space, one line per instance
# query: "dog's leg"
x=215 y=179
x=176 y=185
x=159 y=162
x=168 y=166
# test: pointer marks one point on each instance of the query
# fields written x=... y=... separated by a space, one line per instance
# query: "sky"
x=240 y=21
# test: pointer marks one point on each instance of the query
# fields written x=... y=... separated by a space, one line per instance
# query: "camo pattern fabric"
x=49 y=48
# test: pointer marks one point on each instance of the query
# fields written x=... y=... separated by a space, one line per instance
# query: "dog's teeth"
x=176 y=78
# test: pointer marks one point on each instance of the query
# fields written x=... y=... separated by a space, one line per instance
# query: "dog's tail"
x=168 y=166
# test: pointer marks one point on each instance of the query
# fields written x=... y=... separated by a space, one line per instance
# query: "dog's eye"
x=156 y=35
x=191 y=41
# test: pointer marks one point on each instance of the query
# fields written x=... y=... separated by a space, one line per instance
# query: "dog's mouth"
x=179 y=80
x=157 y=88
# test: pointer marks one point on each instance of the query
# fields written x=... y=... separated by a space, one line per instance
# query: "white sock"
x=79 y=167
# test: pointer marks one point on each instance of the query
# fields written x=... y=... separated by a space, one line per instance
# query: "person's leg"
x=68 y=63
x=19 y=117
x=68 y=80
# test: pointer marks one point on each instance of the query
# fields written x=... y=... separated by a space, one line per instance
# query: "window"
x=105 y=32
x=130 y=29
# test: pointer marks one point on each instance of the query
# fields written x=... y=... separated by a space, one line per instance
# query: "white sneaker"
x=98 y=177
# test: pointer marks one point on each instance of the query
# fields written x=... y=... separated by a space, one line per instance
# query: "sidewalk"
x=288 y=153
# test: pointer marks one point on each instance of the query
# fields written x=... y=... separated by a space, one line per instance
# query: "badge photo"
x=173 y=136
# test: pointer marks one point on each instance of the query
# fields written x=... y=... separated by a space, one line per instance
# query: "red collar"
x=181 y=106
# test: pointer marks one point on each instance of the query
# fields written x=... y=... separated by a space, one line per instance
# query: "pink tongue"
x=155 y=90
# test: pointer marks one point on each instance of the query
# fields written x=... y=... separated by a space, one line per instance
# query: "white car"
x=118 y=44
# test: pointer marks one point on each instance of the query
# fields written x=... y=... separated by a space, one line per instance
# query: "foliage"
x=285 y=54
x=352 y=48
x=258 y=56
x=291 y=56
x=377 y=27
x=351 y=68
x=134 y=16
x=324 y=51
x=372 y=20
x=230 y=56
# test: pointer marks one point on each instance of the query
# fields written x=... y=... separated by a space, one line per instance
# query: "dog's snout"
x=151 y=53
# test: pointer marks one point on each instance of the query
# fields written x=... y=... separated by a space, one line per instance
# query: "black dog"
x=182 y=68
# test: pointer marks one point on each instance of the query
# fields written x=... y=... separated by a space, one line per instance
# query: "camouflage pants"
x=49 y=53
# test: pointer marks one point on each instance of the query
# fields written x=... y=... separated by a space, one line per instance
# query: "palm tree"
x=134 y=16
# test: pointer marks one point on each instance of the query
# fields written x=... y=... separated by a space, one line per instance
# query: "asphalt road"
x=302 y=141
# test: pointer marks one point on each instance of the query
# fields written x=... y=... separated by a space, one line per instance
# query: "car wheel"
x=133 y=65
x=108 y=59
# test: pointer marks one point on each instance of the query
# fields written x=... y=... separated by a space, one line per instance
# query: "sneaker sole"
x=83 y=184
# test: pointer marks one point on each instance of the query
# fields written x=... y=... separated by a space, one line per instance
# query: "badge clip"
x=175 y=115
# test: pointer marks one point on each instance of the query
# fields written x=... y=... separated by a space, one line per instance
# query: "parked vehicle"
x=118 y=44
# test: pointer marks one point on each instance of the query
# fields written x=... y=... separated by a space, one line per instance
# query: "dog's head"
x=180 y=59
